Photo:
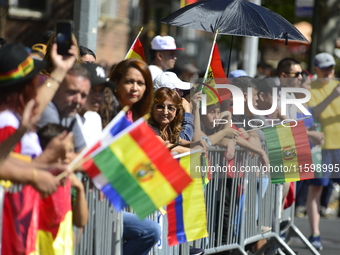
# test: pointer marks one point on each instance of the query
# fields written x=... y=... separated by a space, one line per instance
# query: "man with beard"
x=67 y=102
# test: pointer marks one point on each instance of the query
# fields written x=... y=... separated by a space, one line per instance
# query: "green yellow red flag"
x=140 y=168
x=289 y=152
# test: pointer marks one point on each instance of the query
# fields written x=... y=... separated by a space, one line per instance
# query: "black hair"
x=86 y=51
x=47 y=132
x=265 y=85
x=285 y=64
x=263 y=64
x=153 y=54
x=47 y=35
x=243 y=83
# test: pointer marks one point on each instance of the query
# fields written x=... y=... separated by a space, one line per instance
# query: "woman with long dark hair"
x=134 y=87
x=135 y=90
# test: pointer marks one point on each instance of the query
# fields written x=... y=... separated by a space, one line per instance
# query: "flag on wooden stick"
x=215 y=75
x=139 y=167
x=136 y=50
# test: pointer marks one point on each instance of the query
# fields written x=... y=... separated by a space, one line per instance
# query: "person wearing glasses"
x=171 y=81
x=289 y=72
x=291 y=75
x=166 y=118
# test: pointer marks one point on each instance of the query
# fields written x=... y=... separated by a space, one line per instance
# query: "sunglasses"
x=297 y=74
x=161 y=107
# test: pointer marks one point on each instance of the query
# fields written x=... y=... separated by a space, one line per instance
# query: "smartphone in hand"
x=64 y=30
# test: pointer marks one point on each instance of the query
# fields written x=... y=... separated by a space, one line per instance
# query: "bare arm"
x=254 y=149
x=224 y=133
x=17 y=170
x=80 y=210
x=317 y=138
x=179 y=148
x=61 y=66
x=29 y=119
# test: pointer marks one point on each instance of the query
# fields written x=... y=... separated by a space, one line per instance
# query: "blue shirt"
x=188 y=128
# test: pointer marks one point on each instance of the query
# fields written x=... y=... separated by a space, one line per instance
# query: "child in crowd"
x=79 y=205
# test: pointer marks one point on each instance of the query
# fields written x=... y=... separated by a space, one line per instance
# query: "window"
x=34 y=9
x=108 y=8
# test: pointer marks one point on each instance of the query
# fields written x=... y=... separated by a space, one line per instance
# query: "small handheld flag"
x=136 y=50
x=139 y=167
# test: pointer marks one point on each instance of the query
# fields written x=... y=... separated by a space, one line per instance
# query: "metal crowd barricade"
x=103 y=232
x=162 y=248
x=241 y=205
x=241 y=209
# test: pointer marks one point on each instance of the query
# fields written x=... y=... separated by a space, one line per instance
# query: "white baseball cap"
x=164 y=43
x=171 y=81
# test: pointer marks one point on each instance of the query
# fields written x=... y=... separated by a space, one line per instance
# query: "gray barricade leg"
x=292 y=230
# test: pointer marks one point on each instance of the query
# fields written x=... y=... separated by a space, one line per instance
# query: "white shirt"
x=91 y=127
x=155 y=71
x=291 y=109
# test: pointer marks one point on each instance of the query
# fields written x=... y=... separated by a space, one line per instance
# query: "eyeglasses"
x=161 y=107
x=297 y=74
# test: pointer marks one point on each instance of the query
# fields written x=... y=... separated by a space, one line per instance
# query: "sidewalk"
x=330 y=234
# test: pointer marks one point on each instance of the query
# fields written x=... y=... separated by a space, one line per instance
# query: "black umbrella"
x=235 y=17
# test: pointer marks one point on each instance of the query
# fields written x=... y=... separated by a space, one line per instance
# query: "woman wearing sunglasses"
x=166 y=117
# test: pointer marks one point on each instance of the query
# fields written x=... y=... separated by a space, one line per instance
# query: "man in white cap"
x=163 y=54
x=325 y=103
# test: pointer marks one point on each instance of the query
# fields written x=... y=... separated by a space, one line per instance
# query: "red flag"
x=216 y=74
x=55 y=222
x=187 y=2
x=32 y=224
x=20 y=221
x=136 y=51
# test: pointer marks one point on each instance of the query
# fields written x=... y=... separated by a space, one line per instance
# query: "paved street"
x=330 y=234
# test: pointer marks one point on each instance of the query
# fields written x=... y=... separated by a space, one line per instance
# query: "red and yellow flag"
x=216 y=75
x=187 y=2
x=55 y=234
x=136 y=51
x=32 y=225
